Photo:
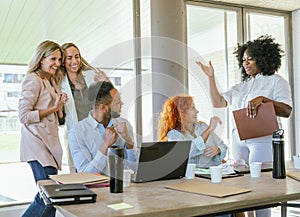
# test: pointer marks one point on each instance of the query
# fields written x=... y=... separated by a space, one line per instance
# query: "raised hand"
x=208 y=70
x=214 y=121
x=100 y=76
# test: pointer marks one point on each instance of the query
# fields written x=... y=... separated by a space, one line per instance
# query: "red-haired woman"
x=178 y=121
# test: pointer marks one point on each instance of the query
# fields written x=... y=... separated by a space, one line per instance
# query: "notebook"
x=265 y=122
x=64 y=194
x=162 y=160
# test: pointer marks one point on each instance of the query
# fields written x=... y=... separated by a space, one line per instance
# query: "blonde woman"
x=40 y=112
x=77 y=77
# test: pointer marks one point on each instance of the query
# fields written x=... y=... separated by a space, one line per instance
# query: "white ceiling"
x=92 y=24
x=285 y=5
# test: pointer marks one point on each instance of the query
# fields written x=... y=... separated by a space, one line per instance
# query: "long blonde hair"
x=43 y=50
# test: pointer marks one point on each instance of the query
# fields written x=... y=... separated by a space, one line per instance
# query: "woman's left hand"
x=253 y=106
x=100 y=76
x=214 y=121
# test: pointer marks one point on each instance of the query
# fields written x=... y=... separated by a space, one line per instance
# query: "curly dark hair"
x=265 y=51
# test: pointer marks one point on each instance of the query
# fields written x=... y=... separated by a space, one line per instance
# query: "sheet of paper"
x=120 y=206
x=226 y=169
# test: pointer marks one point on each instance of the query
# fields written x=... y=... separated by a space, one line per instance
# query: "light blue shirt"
x=85 y=140
x=197 y=147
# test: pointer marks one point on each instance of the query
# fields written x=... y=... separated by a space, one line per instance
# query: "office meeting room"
x=149 y=108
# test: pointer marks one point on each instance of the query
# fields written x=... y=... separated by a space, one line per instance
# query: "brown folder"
x=264 y=124
x=80 y=177
x=207 y=188
x=294 y=174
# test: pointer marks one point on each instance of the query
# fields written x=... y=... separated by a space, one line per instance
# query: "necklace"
x=78 y=82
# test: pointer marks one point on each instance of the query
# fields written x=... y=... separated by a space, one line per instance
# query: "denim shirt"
x=197 y=147
x=85 y=140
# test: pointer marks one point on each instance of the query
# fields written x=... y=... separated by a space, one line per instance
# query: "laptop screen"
x=162 y=160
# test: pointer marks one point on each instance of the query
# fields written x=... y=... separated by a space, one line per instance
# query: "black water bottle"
x=116 y=166
x=278 y=155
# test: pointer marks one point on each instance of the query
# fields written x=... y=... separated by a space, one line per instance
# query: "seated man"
x=90 y=139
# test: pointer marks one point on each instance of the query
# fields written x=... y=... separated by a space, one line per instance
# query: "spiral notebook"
x=264 y=124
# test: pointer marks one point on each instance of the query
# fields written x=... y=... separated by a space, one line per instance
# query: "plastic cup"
x=255 y=169
x=215 y=174
x=126 y=178
x=190 y=171
x=296 y=162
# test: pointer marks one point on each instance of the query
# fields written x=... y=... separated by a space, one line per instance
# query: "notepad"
x=264 y=124
x=207 y=188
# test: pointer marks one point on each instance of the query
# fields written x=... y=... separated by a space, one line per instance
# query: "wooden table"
x=153 y=199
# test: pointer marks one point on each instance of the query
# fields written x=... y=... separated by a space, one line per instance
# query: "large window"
x=103 y=31
x=213 y=33
x=205 y=26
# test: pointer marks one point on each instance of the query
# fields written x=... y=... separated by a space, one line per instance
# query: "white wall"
x=296 y=65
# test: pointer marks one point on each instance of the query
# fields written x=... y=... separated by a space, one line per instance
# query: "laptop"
x=265 y=166
x=162 y=161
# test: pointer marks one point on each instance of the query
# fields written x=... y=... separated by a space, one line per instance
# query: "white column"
x=296 y=66
x=168 y=49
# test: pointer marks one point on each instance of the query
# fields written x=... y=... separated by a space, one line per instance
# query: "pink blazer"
x=39 y=138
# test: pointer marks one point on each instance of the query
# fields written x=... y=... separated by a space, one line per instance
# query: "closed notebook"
x=67 y=194
x=264 y=124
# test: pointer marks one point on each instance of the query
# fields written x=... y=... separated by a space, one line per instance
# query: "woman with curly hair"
x=178 y=121
x=259 y=60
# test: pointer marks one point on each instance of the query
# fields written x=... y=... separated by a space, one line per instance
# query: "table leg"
x=283 y=209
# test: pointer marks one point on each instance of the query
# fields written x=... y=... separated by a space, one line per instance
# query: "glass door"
x=213 y=33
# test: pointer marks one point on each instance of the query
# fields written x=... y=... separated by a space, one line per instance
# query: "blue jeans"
x=37 y=208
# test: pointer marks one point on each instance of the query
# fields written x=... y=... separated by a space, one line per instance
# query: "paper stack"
x=81 y=177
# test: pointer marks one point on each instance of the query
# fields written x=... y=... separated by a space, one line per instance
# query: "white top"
x=273 y=87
